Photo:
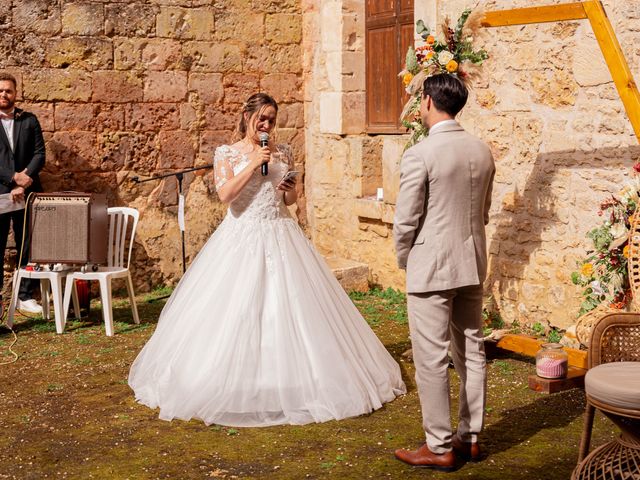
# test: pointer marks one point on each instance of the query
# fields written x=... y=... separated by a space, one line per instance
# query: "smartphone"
x=289 y=175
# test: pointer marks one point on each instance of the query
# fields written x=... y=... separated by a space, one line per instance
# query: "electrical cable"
x=13 y=286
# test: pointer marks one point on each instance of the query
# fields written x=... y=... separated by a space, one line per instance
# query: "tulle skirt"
x=258 y=332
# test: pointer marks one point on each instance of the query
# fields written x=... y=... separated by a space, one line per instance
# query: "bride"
x=258 y=331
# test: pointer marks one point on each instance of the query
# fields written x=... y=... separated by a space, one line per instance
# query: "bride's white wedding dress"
x=258 y=331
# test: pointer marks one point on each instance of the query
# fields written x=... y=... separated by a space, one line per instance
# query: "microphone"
x=264 y=141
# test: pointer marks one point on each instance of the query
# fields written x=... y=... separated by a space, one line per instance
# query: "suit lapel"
x=4 y=138
x=17 y=128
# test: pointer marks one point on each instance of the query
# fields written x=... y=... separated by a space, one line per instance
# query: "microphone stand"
x=179 y=176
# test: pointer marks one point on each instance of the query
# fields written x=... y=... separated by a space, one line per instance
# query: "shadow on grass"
x=122 y=318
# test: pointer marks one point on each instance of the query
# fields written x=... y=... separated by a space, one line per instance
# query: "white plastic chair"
x=49 y=279
x=122 y=220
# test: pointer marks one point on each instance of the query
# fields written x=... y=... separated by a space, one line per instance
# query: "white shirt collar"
x=442 y=124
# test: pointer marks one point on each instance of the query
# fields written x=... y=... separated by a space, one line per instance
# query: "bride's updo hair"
x=253 y=104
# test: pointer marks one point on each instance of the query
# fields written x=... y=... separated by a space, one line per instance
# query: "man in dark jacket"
x=22 y=156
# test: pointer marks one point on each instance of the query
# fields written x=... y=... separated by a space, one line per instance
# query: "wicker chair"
x=611 y=386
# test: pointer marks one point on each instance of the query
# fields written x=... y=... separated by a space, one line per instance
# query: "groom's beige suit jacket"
x=442 y=209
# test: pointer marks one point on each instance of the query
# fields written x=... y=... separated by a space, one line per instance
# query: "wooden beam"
x=523 y=16
x=613 y=55
x=529 y=346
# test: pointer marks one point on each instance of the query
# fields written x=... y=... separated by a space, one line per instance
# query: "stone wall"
x=552 y=116
x=145 y=88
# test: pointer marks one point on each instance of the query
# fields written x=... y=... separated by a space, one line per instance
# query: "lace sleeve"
x=222 y=169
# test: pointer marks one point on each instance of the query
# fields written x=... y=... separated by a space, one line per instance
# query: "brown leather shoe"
x=423 y=457
x=466 y=450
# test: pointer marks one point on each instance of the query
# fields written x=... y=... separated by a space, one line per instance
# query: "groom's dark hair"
x=447 y=92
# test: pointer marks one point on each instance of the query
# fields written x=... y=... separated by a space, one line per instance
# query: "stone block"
x=283 y=28
x=57 y=85
x=185 y=23
x=274 y=58
x=589 y=67
x=352 y=276
x=88 y=53
x=284 y=87
x=353 y=32
x=109 y=117
x=116 y=87
x=211 y=57
x=291 y=115
x=333 y=68
x=554 y=89
x=209 y=141
x=353 y=71
x=5 y=14
x=373 y=210
x=83 y=19
x=40 y=16
x=150 y=117
x=133 y=150
x=127 y=53
x=330 y=112
x=165 y=87
x=353 y=112
x=74 y=116
x=331 y=26
x=131 y=19
x=162 y=54
x=276 y=6
x=208 y=86
x=44 y=112
x=72 y=152
x=239 y=86
x=229 y=22
x=221 y=119
x=392 y=149
x=176 y=150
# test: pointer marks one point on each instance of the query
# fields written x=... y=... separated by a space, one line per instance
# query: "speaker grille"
x=60 y=229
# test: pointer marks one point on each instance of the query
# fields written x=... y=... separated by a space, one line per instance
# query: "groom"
x=439 y=232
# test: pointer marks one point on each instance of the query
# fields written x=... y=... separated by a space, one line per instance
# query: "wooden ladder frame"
x=592 y=10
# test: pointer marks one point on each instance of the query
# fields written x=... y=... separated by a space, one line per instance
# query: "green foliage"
x=537 y=328
x=603 y=272
x=411 y=61
x=380 y=304
x=422 y=29
x=554 y=336
x=491 y=318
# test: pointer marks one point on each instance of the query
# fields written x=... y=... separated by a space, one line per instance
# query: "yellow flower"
x=430 y=55
x=406 y=79
x=587 y=270
x=452 y=66
x=625 y=251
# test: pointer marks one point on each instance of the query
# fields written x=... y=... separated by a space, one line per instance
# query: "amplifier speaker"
x=68 y=228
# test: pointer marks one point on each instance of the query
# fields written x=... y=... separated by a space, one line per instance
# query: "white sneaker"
x=29 y=306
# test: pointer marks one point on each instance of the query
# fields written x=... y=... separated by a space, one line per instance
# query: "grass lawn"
x=66 y=412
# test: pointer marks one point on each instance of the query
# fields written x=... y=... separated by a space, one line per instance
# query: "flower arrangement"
x=454 y=54
x=603 y=273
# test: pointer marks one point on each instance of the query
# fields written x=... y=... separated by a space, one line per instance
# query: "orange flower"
x=452 y=66
x=431 y=39
x=625 y=251
x=587 y=270
x=406 y=78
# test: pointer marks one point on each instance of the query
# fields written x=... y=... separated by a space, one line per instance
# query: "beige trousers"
x=438 y=320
